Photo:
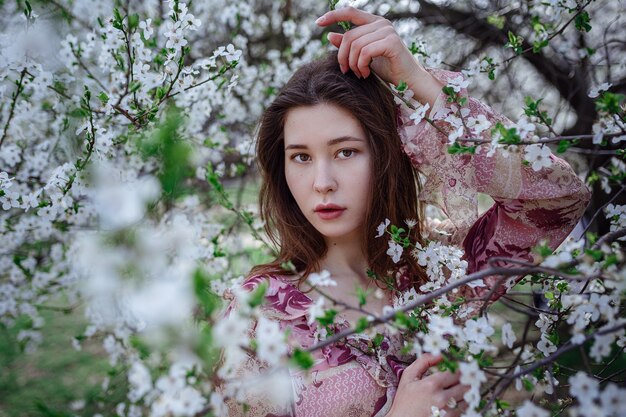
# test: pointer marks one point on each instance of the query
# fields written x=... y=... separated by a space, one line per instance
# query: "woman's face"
x=328 y=169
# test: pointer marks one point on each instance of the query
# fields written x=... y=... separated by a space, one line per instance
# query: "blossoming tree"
x=126 y=143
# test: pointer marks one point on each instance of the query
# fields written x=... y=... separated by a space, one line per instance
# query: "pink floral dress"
x=357 y=379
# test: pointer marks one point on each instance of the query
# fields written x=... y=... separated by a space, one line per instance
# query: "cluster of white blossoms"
x=616 y=214
x=443 y=264
x=592 y=400
x=178 y=392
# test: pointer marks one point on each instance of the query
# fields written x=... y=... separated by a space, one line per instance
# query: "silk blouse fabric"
x=354 y=378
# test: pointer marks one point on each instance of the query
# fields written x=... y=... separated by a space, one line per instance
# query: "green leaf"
x=402 y=87
x=528 y=385
x=117 y=20
x=258 y=296
x=457 y=148
x=173 y=154
x=140 y=346
x=610 y=102
x=596 y=254
x=539 y=45
x=160 y=93
x=209 y=301
x=103 y=97
x=416 y=49
x=448 y=364
x=378 y=339
x=289 y=266
x=328 y=319
x=502 y=405
x=361 y=295
x=28 y=10
x=134 y=86
x=611 y=259
x=78 y=113
x=582 y=22
x=538 y=26
x=302 y=358
x=592 y=238
x=543 y=250
x=361 y=324
x=508 y=136
x=133 y=21
x=515 y=42
x=496 y=20
x=564 y=145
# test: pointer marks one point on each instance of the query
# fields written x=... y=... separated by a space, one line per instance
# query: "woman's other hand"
x=418 y=392
x=375 y=44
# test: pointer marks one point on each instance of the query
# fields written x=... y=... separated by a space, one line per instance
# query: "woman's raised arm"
x=532 y=203
x=374 y=43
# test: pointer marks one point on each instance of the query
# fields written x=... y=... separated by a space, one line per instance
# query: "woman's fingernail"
x=320 y=20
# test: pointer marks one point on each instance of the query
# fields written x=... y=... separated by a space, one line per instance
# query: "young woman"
x=338 y=157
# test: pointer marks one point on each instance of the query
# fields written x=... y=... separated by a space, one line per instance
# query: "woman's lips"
x=329 y=214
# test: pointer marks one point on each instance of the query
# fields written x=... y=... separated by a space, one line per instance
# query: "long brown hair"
x=393 y=191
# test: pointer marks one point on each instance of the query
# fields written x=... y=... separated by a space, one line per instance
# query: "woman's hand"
x=417 y=394
x=374 y=43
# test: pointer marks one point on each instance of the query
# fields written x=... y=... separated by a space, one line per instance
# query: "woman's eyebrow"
x=344 y=139
x=330 y=142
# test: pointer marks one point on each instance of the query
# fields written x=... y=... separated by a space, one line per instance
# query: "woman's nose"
x=324 y=181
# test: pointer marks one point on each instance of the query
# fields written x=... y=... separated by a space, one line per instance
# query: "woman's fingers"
x=364 y=49
x=455 y=409
x=453 y=412
x=335 y=39
x=370 y=29
x=444 y=379
x=349 y=14
x=457 y=391
x=419 y=367
x=355 y=39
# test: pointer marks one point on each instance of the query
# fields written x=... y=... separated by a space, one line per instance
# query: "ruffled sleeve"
x=530 y=206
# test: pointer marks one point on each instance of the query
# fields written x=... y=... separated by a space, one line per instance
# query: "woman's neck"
x=345 y=258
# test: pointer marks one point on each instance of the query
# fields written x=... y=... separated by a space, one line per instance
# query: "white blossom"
x=420 y=112
x=595 y=91
x=584 y=388
x=323 y=279
x=458 y=83
x=139 y=380
x=538 y=156
x=270 y=344
x=395 y=251
x=471 y=374
x=613 y=399
x=508 y=335
x=528 y=409
x=316 y=310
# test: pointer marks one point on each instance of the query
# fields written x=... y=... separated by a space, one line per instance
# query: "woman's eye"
x=346 y=153
x=301 y=157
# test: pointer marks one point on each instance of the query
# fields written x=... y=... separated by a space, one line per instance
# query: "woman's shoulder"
x=272 y=281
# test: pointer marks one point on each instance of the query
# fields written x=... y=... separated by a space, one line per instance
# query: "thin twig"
x=20 y=87
x=563 y=349
x=419 y=302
